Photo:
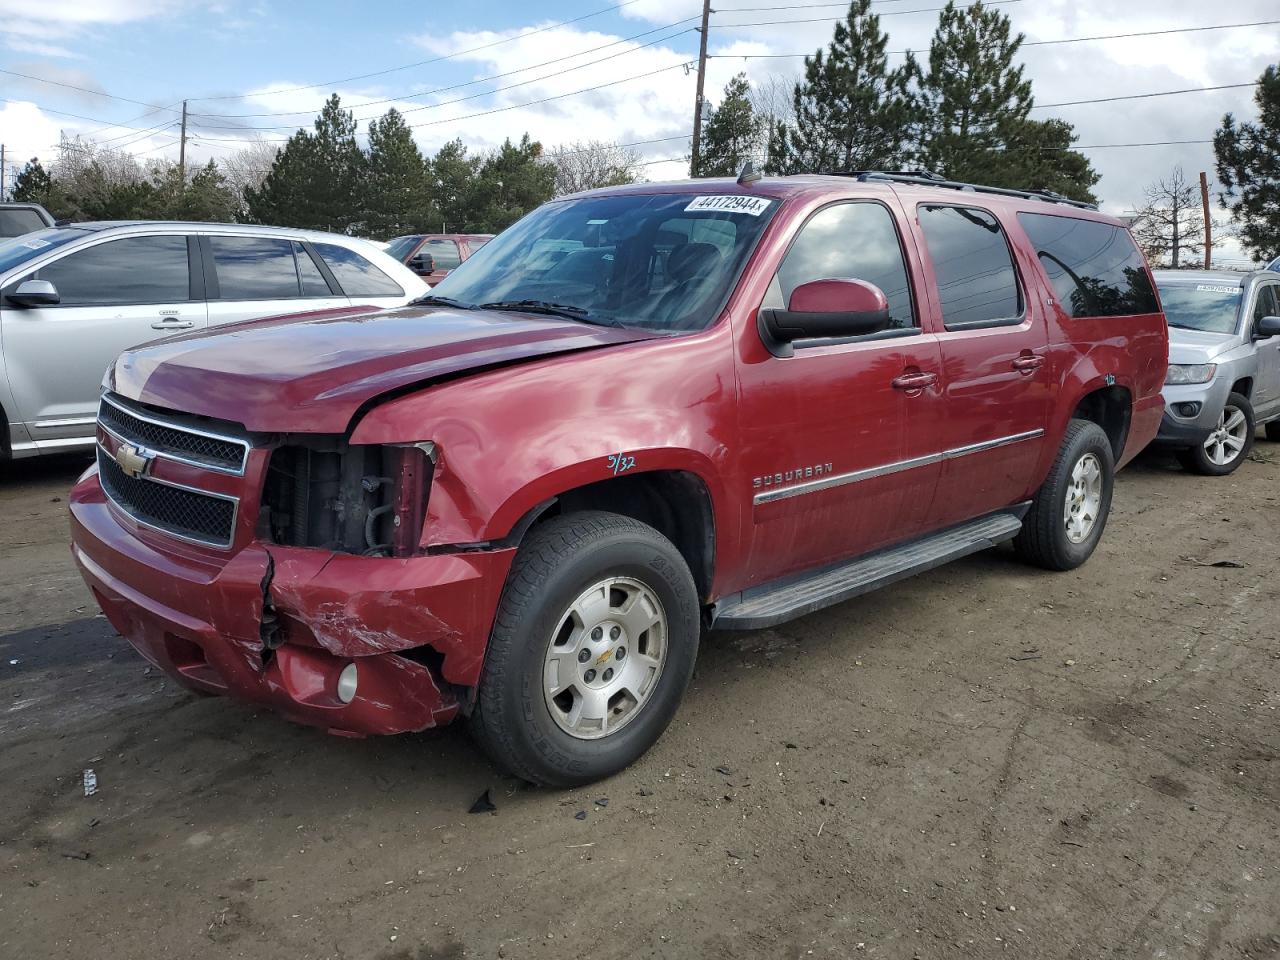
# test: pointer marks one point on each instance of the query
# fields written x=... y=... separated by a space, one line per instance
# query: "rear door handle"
x=914 y=381
x=1027 y=364
x=174 y=324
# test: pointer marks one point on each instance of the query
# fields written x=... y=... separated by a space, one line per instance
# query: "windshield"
x=1211 y=307
x=400 y=247
x=18 y=250
x=662 y=262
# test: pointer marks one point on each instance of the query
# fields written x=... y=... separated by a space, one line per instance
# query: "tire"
x=1273 y=431
x=572 y=574
x=1213 y=457
x=1051 y=536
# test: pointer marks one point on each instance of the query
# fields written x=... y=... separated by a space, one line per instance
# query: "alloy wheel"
x=1084 y=498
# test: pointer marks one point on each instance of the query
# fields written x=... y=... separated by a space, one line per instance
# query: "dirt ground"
x=986 y=760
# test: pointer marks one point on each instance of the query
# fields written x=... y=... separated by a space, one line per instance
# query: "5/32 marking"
x=620 y=463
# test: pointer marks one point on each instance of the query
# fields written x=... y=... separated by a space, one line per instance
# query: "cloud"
x=40 y=49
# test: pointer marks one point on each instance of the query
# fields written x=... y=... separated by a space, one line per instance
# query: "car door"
x=114 y=294
x=998 y=384
x=1266 y=388
x=250 y=277
x=838 y=438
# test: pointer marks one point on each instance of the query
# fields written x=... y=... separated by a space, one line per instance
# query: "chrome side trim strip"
x=839 y=480
x=65 y=422
x=181 y=428
x=884 y=470
x=218 y=544
x=991 y=444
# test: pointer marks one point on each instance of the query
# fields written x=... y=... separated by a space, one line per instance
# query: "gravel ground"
x=986 y=760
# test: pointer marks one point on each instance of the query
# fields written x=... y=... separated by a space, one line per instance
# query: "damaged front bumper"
x=278 y=626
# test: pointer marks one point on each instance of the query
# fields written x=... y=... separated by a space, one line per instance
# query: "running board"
x=775 y=603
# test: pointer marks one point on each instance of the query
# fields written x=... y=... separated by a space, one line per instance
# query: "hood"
x=1198 y=346
x=311 y=373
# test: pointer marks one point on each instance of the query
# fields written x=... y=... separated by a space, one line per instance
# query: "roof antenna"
x=749 y=174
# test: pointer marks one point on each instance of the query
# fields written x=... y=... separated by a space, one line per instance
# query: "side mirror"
x=35 y=293
x=1266 y=327
x=422 y=263
x=822 y=309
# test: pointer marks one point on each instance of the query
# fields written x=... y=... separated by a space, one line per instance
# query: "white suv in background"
x=73 y=297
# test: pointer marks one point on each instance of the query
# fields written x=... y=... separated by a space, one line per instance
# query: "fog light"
x=1188 y=409
x=347 y=680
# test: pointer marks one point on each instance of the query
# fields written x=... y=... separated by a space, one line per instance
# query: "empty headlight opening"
x=352 y=498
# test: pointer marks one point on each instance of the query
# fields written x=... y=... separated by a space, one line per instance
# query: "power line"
x=1145 y=96
x=474 y=96
x=1109 y=146
x=890 y=13
x=470 y=83
x=72 y=86
x=423 y=63
x=1034 y=43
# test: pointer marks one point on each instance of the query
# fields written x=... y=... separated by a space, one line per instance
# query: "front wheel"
x=1229 y=443
x=592 y=649
x=1070 y=510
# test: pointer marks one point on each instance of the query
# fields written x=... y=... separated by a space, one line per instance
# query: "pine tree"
x=397 y=194
x=33 y=184
x=973 y=96
x=1037 y=155
x=1248 y=156
x=315 y=181
x=851 y=111
x=512 y=181
x=452 y=173
x=732 y=133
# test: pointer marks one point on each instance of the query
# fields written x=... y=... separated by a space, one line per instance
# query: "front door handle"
x=173 y=324
x=915 y=381
x=1027 y=363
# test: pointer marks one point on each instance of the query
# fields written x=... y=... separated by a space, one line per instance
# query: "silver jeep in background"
x=1224 y=365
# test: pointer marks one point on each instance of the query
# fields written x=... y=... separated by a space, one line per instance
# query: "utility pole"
x=182 y=149
x=1208 y=224
x=702 y=75
x=3 y=168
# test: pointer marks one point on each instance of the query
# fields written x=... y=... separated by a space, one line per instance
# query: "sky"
x=481 y=71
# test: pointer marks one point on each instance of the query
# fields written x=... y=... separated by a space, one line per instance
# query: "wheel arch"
x=1110 y=406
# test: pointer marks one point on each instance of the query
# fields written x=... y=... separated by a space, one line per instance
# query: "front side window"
x=1095 y=268
x=128 y=270
x=254 y=268
x=977 y=283
x=356 y=275
x=444 y=253
x=659 y=261
x=1267 y=303
x=1200 y=304
x=848 y=241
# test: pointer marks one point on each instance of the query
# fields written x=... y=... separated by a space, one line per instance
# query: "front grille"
x=175 y=441
x=201 y=517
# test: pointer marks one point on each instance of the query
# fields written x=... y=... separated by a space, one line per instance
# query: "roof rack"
x=927 y=178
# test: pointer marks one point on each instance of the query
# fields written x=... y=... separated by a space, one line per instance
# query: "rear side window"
x=313 y=282
x=254 y=268
x=977 y=284
x=128 y=270
x=356 y=275
x=1095 y=268
x=443 y=252
x=848 y=241
x=16 y=222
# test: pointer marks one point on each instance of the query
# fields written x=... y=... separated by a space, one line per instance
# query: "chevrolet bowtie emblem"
x=604 y=656
x=132 y=460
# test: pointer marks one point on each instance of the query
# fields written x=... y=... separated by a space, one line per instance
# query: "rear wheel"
x=1229 y=443
x=1070 y=510
x=591 y=651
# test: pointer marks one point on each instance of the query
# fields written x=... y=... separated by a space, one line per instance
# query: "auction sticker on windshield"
x=1214 y=288
x=727 y=203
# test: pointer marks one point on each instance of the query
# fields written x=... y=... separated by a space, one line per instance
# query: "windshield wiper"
x=566 y=310
x=431 y=300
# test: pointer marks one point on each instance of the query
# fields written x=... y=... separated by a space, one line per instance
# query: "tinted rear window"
x=1095 y=268
x=977 y=285
x=254 y=268
x=356 y=275
x=14 y=223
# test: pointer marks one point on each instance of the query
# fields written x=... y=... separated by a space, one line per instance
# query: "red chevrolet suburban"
x=638 y=413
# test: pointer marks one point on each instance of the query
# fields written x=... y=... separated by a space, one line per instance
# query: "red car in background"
x=432 y=255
